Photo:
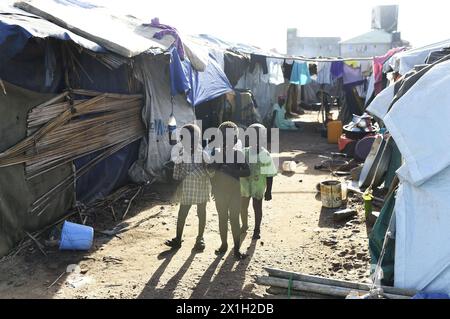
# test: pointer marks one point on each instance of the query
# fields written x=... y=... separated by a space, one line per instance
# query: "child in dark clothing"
x=226 y=188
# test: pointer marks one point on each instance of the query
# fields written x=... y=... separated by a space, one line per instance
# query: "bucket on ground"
x=289 y=166
x=76 y=237
x=331 y=194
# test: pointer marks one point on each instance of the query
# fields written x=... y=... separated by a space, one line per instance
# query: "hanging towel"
x=300 y=73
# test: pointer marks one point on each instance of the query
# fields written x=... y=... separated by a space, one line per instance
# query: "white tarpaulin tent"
x=405 y=61
x=418 y=124
x=155 y=149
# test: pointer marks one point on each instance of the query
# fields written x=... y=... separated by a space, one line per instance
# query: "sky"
x=264 y=23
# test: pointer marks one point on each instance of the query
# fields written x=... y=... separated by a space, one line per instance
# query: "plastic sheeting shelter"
x=155 y=149
x=405 y=61
x=122 y=34
x=415 y=120
x=18 y=26
x=16 y=192
x=32 y=48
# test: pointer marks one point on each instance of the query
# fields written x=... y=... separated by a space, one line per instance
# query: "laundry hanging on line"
x=352 y=75
x=300 y=73
x=337 y=69
x=324 y=73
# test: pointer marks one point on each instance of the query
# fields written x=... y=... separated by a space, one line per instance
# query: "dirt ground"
x=297 y=235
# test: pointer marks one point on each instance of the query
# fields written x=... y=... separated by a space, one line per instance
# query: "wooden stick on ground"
x=335 y=282
x=318 y=288
x=38 y=244
x=57 y=279
x=130 y=202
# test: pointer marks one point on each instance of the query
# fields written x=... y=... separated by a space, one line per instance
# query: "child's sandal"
x=200 y=245
x=173 y=243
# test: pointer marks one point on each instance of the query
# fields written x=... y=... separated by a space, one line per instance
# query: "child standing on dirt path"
x=195 y=186
x=259 y=184
x=226 y=187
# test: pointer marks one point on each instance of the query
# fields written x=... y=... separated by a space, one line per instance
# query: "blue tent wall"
x=29 y=68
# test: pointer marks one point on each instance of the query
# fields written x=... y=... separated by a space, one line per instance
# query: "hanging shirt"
x=337 y=69
x=275 y=71
x=352 y=75
x=378 y=63
x=287 y=70
x=258 y=59
x=324 y=73
x=300 y=73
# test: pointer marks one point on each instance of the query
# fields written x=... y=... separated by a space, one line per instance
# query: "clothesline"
x=298 y=58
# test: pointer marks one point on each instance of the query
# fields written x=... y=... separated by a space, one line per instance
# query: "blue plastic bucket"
x=76 y=237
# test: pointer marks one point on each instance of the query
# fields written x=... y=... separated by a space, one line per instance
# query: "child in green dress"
x=259 y=184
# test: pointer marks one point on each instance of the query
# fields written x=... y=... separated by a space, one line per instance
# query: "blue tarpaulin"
x=209 y=84
x=199 y=87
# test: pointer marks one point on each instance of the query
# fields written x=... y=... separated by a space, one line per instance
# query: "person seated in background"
x=279 y=116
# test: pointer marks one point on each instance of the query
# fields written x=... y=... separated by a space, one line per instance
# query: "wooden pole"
x=318 y=288
x=335 y=282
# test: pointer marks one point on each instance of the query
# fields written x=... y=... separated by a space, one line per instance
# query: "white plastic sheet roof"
x=404 y=62
x=124 y=35
x=42 y=28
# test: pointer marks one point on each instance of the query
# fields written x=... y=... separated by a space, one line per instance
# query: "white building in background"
x=372 y=43
x=311 y=47
x=383 y=37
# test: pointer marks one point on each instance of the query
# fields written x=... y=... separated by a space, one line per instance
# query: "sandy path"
x=296 y=235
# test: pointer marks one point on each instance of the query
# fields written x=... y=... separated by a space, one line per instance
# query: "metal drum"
x=331 y=194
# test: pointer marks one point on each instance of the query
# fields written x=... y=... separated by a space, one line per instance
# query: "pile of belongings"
x=358 y=137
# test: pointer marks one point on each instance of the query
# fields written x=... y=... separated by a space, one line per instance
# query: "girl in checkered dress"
x=195 y=186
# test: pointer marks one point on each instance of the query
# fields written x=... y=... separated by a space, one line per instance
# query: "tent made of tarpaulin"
x=37 y=64
x=18 y=26
x=404 y=62
x=155 y=149
x=17 y=193
x=119 y=33
x=207 y=85
x=421 y=209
